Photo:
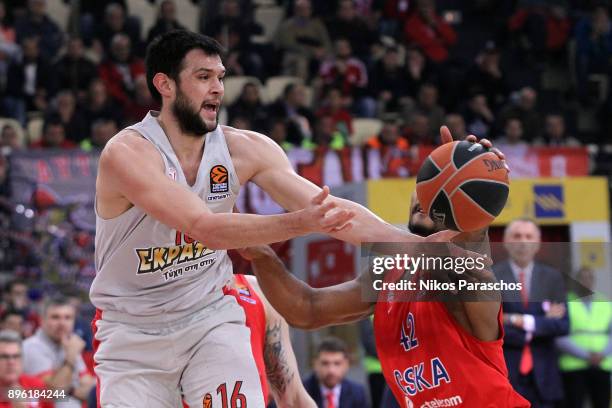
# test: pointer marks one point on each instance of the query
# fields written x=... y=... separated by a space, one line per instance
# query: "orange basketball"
x=218 y=174
x=463 y=185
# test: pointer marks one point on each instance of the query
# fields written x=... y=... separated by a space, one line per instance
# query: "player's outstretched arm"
x=270 y=169
x=301 y=305
x=131 y=171
x=279 y=359
x=274 y=174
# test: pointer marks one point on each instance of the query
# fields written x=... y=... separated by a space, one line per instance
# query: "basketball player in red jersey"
x=433 y=354
x=271 y=345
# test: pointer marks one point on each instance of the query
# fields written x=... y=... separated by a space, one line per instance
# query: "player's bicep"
x=144 y=184
x=276 y=176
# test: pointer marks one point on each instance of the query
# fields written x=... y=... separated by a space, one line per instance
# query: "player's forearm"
x=302 y=306
x=368 y=227
x=231 y=230
x=291 y=297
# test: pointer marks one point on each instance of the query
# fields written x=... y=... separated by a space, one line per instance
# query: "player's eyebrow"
x=208 y=71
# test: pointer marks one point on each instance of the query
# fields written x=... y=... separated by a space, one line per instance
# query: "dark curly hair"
x=167 y=52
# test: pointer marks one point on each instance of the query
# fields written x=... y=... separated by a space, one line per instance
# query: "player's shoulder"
x=127 y=140
x=247 y=139
x=127 y=146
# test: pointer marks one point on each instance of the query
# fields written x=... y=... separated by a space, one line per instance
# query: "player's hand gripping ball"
x=463 y=185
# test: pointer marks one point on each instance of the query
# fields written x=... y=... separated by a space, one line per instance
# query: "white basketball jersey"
x=145 y=268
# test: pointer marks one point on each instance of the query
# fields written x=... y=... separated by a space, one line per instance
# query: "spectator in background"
x=523 y=105
x=54 y=354
x=100 y=105
x=542 y=29
x=11 y=138
x=512 y=136
x=75 y=71
x=388 y=82
x=350 y=25
x=419 y=130
x=513 y=145
x=249 y=105
x=7 y=31
x=418 y=70
x=394 y=14
x=120 y=70
x=115 y=22
x=12 y=377
x=30 y=82
x=16 y=299
x=389 y=151
x=478 y=116
x=141 y=103
x=9 y=49
x=486 y=76
x=456 y=125
x=166 y=20
x=349 y=74
x=593 y=46
x=91 y=14
x=292 y=106
x=240 y=59
x=54 y=135
x=586 y=361
x=328 y=385
x=102 y=130
x=13 y=320
x=36 y=23
x=555 y=133
x=325 y=135
x=429 y=31
x=64 y=106
x=303 y=41
x=533 y=317
x=232 y=17
x=277 y=131
x=427 y=104
x=333 y=105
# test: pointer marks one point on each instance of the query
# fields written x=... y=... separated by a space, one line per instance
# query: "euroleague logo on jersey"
x=218 y=179
x=207 y=401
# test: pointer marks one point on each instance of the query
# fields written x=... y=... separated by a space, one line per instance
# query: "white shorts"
x=203 y=356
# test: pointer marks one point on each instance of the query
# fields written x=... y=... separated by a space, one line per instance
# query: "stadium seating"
x=363 y=129
x=276 y=85
x=234 y=85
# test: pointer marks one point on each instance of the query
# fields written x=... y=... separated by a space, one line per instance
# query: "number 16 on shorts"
x=235 y=400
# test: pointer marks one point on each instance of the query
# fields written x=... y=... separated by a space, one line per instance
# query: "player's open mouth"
x=211 y=107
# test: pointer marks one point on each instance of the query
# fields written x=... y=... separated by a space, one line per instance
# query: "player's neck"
x=185 y=147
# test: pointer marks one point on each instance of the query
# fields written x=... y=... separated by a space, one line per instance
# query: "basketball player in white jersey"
x=165 y=191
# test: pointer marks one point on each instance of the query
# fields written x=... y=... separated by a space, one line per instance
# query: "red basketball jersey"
x=256 y=321
x=429 y=361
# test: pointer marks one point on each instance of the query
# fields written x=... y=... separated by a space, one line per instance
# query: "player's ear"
x=164 y=85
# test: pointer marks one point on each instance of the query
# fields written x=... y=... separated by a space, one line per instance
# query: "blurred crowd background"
x=351 y=89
